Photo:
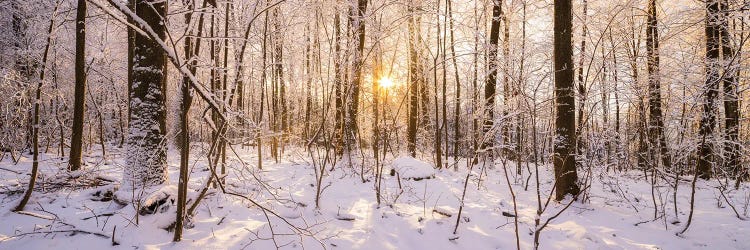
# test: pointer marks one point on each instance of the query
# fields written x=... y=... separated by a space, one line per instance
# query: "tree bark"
x=731 y=97
x=76 y=142
x=192 y=49
x=338 y=82
x=565 y=129
x=656 y=136
x=414 y=82
x=488 y=141
x=457 y=107
x=713 y=68
x=146 y=156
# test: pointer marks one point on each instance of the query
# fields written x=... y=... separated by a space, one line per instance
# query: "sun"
x=385 y=82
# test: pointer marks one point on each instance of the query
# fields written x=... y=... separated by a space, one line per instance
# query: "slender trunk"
x=76 y=141
x=358 y=23
x=263 y=79
x=37 y=101
x=615 y=81
x=438 y=132
x=509 y=92
x=414 y=82
x=308 y=82
x=444 y=127
x=488 y=142
x=475 y=82
x=192 y=49
x=457 y=107
x=338 y=82
x=657 y=139
x=582 y=93
x=280 y=96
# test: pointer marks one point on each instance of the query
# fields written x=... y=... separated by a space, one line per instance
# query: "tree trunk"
x=457 y=110
x=474 y=88
x=565 y=128
x=146 y=156
x=656 y=136
x=35 y=126
x=414 y=82
x=730 y=83
x=76 y=142
x=338 y=82
x=713 y=68
x=280 y=89
x=357 y=15
x=438 y=132
x=263 y=77
x=192 y=49
x=582 y=94
x=509 y=96
x=615 y=79
x=488 y=141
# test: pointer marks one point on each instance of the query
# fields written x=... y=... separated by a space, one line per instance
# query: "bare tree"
x=37 y=101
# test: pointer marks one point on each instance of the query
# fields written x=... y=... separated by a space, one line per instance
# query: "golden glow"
x=385 y=82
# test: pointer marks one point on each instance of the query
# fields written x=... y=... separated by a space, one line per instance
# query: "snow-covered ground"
x=420 y=215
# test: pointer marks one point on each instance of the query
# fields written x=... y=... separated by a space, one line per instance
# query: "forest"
x=374 y=124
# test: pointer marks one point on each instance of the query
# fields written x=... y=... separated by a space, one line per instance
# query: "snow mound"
x=410 y=168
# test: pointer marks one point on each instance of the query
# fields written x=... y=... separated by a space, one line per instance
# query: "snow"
x=410 y=168
x=618 y=215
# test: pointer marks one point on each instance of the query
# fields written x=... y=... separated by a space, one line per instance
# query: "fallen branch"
x=35 y=215
x=73 y=231
x=12 y=171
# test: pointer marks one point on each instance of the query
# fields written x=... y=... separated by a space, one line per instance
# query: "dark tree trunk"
x=615 y=79
x=192 y=49
x=414 y=83
x=488 y=141
x=281 y=112
x=565 y=129
x=713 y=68
x=457 y=110
x=263 y=77
x=358 y=23
x=656 y=136
x=474 y=88
x=338 y=82
x=146 y=154
x=438 y=134
x=76 y=142
x=308 y=82
x=731 y=97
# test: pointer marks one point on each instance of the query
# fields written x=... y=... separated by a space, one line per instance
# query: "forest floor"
x=618 y=214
